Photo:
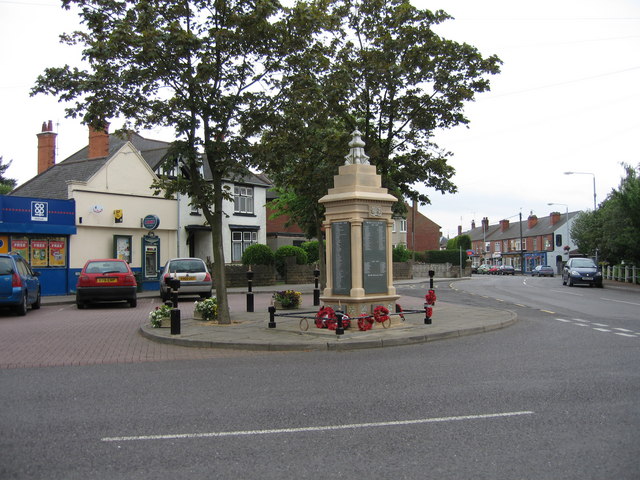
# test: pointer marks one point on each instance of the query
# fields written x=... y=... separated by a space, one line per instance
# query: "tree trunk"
x=219 y=274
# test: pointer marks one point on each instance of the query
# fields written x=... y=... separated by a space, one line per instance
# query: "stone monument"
x=358 y=228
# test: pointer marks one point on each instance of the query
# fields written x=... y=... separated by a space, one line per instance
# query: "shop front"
x=39 y=230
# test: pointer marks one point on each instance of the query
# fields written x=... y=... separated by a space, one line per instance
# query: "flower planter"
x=165 y=322
x=279 y=306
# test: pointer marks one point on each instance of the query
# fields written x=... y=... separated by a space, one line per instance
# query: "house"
x=117 y=215
x=537 y=241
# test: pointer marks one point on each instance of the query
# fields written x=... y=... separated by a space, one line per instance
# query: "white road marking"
x=602 y=330
x=563 y=320
x=601 y=324
x=624 y=334
x=619 y=301
x=623 y=330
x=352 y=426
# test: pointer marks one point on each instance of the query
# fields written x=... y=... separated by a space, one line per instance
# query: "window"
x=558 y=240
x=403 y=225
x=547 y=243
x=535 y=243
x=524 y=243
x=393 y=228
x=243 y=200
x=498 y=245
x=240 y=240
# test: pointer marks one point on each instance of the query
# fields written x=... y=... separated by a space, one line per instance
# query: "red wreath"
x=430 y=297
x=365 y=322
x=429 y=312
x=381 y=314
x=324 y=317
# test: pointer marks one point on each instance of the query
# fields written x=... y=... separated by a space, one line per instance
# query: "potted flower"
x=160 y=317
x=206 y=309
x=287 y=299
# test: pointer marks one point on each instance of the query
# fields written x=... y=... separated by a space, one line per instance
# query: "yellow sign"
x=117 y=215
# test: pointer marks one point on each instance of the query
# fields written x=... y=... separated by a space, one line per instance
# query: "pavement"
x=295 y=330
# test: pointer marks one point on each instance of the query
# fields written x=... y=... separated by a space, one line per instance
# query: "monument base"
x=356 y=306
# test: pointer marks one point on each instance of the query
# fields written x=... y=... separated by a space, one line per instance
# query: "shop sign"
x=151 y=222
x=39 y=211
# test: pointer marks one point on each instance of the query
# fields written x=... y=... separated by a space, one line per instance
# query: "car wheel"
x=133 y=303
x=564 y=282
x=570 y=282
x=80 y=306
x=21 y=310
x=38 y=302
x=600 y=285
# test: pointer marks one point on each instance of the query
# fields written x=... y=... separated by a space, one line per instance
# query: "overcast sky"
x=568 y=99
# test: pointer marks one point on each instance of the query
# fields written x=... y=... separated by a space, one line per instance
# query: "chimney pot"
x=46 y=147
x=98 y=142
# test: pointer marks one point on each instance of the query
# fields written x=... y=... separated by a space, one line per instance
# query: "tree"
x=614 y=229
x=202 y=67
x=6 y=184
x=380 y=69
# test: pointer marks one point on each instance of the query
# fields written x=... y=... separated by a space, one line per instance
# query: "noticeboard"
x=341 y=257
x=374 y=256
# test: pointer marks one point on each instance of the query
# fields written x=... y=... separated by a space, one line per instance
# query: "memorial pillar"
x=358 y=227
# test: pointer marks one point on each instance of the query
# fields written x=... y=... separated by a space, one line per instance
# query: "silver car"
x=194 y=277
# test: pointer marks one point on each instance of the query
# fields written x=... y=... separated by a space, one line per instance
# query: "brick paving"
x=61 y=335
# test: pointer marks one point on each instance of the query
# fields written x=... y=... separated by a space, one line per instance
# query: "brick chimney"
x=504 y=225
x=459 y=230
x=532 y=221
x=555 y=217
x=98 y=142
x=46 y=147
x=485 y=223
x=473 y=224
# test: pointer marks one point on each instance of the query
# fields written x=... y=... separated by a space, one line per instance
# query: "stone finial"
x=356 y=155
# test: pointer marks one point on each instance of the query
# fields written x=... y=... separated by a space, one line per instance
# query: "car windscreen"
x=6 y=266
x=186 y=266
x=106 y=267
x=583 y=262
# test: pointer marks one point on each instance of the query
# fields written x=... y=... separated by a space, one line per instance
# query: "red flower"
x=431 y=297
x=381 y=314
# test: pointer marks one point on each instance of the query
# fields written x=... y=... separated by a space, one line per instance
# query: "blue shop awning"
x=43 y=228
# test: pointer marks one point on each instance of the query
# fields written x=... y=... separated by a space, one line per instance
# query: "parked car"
x=193 y=275
x=494 y=270
x=484 y=269
x=543 y=271
x=507 y=270
x=19 y=284
x=106 y=280
x=581 y=271
x=474 y=268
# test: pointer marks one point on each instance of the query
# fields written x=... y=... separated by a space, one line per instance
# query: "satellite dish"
x=97 y=209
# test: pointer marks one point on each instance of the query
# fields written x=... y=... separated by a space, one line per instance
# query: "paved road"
x=542 y=399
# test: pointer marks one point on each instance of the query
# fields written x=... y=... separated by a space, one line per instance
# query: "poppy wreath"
x=365 y=323
x=381 y=314
x=430 y=297
x=324 y=317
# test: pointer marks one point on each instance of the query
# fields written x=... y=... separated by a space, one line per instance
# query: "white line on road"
x=623 y=330
x=316 y=429
x=602 y=330
x=563 y=320
x=600 y=324
x=625 y=334
x=619 y=301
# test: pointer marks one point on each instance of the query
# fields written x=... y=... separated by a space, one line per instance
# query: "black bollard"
x=427 y=318
x=175 y=321
x=316 y=290
x=431 y=274
x=339 y=329
x=249 y=291
x=272 y=317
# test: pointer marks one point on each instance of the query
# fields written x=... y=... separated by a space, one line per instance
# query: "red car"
x=494 y=270
x=106 y=280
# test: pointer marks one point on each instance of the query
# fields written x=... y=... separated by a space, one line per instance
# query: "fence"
x=621 y=273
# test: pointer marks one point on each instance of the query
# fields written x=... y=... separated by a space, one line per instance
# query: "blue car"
x=19 y=284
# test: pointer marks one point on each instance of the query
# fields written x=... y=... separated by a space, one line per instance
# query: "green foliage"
x=311 y=248
x=6 y=184
x=613 y=229
x=289 y=251
x=460 y=242
x=401 y=254
x=257 y=254
x=443 y=256
x=420 y=257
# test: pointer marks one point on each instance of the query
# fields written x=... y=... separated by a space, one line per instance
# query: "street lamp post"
x=594 y=184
